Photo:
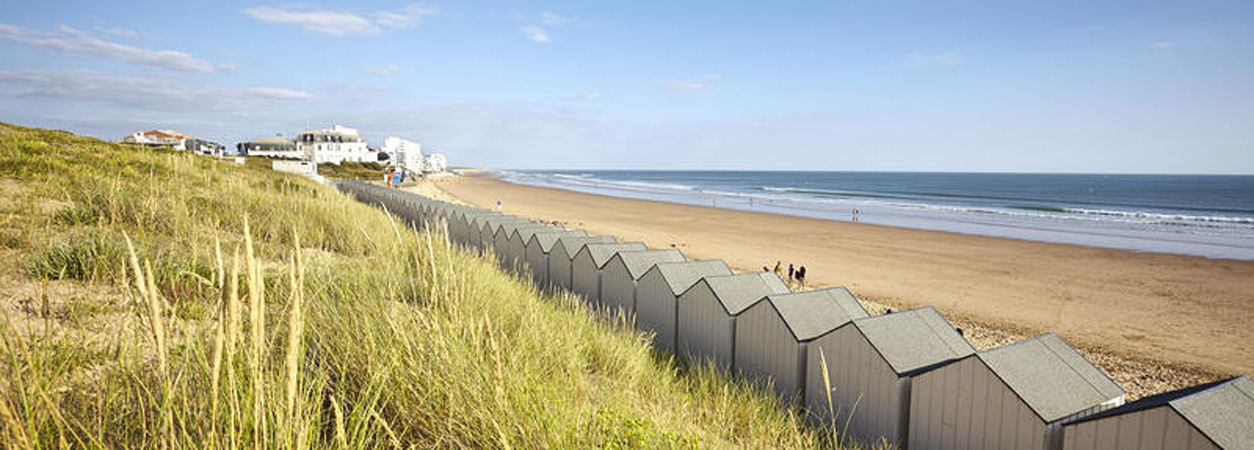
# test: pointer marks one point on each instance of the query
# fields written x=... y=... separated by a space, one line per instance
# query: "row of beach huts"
x=907 y=378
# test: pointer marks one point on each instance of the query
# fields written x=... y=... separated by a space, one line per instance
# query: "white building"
x=435 y=162
x=404 y=154
x=271 y=147
x=334 y=145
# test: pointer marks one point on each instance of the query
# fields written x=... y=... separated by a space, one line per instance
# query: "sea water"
x=1203 y=215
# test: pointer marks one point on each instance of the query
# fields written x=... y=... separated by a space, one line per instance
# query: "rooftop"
x=1050 y=376
x=811 y=314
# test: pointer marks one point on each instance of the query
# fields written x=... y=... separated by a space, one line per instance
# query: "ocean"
x=1204 y=215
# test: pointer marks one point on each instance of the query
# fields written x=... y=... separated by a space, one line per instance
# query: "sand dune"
x=1157 y=321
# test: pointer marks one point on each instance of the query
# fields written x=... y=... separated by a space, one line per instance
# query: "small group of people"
x=797 y=274
x=394 y=177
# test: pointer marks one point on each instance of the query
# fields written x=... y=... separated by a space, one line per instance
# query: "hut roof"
x=914 y=339
x=494 y=223
x=639 y=262
x=811 y=314
x=547 y=239
x=507 y=228
x=682 y=275
x=601 y=253
x=524 y=233
x=738 y=292
x=574 y=244
x=1221 y=410
x=1050 y=376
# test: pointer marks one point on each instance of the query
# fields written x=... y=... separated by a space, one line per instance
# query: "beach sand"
x=1153 y=321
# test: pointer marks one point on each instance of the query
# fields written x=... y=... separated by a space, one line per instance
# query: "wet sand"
x=1152 y=321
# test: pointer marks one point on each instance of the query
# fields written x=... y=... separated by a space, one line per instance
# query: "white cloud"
x=143 y=93
x=689 y=85
x=536 y=34
x=551 y=19
x=1161 y=46
x=334 y=23
x=119 y=32
x=586 y=96
x=226 y=67
x=382 y=71
x=940 y=59
x=407 y=17
x=70 y=40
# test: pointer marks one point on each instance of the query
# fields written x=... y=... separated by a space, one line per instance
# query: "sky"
x=956 y=86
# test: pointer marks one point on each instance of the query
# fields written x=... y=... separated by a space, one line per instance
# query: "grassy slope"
x=403 y=340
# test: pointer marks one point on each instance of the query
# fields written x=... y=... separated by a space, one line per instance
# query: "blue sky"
x=1113 y=87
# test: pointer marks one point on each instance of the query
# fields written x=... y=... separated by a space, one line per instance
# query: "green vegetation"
x=371 y=171
x=158 y=299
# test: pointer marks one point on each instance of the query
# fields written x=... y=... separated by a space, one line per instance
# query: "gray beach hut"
x=563 y=254
x=1212 y=416
x=773 y=335
x=1014 y=396
x=474 y=228
x=487 y=231
x=870 y=363
x=516 y=245
x=619 y=275
x=585 y=268
x=657 y=294
x=464 y=222
x=537 y=253
x=706 y=327
x=500 y=241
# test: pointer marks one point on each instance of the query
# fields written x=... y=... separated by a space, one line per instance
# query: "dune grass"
x=155 y=299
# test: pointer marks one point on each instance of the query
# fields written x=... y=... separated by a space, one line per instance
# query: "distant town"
x=334 y=145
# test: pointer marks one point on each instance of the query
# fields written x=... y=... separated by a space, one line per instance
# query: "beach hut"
x=869 y=365
x=474 y=228
x=500 y=241
x=618 y=277
x=463 y=223
x=773 y=335
x=706 y=326
x=515 y=245
x=487 y=231
x=585 y=268
x=1015 y=396
x=1212 y=416
x=658 y=290
x=536 y=253
x=563 y=254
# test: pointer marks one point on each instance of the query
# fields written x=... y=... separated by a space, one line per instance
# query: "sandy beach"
x=1152 y=321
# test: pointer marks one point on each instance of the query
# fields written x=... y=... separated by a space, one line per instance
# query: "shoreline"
x=1006 y=288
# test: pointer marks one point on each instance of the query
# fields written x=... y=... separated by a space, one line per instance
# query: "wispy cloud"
x=340 y=23
x=681 y=86
x=1161 y=45
x=334 y=23
x=586 y=96
x=144 y=93
x=119 y=32
x=940 y=59
x=407 y=17
x=552 y=19
x=69 y=40
x=536 y=34
x=382 y=71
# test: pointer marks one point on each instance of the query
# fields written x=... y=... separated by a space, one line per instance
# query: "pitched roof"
x=524 y=233
x=508 y=227
x=914 y=339
x=601 y=253
x=682 y=275
x=1051 y=377
x=811 y=314
x=574 y=244
x=494 y=223
x=737 y=293
x=547 y=239
x=1224 y=413
x=639 y=262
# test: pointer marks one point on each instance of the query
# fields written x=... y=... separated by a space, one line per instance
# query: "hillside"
x=158 y=299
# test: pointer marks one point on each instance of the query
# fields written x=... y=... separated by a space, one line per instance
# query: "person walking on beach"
x=801 y=276
x=498 y=205
x=790 y=272
x=779 y=268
